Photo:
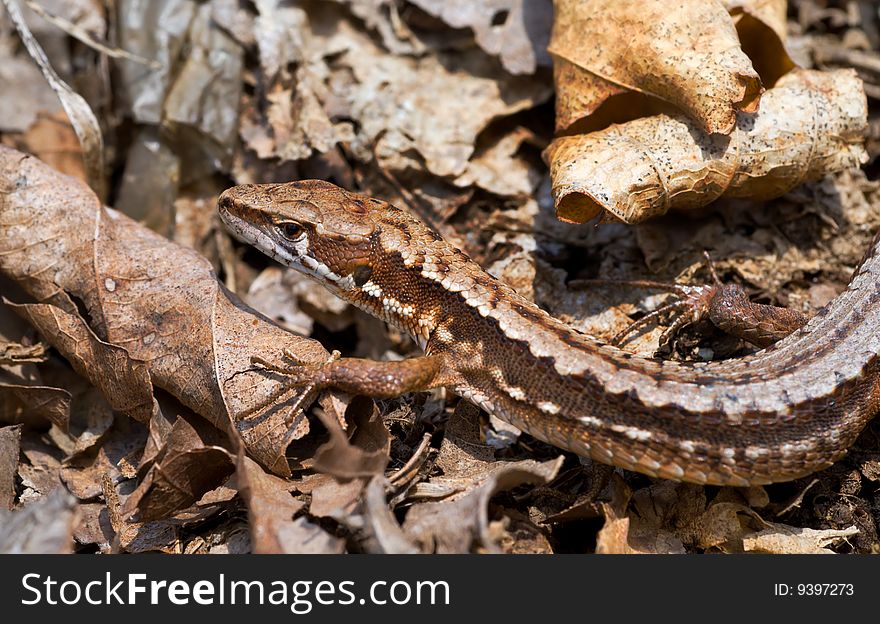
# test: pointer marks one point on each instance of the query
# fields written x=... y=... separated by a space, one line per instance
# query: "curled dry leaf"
x=159 y=301
x=461 y=525
x=811 y=124
x=124 y=382
x=367 y=452
x=761 y=26
x=635 y=533
x=185 y=468
x=688 y=55
x=33 y=404
x=784 y=539
x=83 y=474
x=271 y=511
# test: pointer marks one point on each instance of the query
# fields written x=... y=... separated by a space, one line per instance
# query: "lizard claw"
x=306 y=379
x=692 y=305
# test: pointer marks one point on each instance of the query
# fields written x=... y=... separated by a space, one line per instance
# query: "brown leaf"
x=52 y=139
x=81 y=116
x=124 y=382
x=271 y=511
x=91 y=418
x=34 y=405
x=82 y=475
x=40 y=474
x=335 y=499
x=497 y=168
x=161 y=301
x=687 y=54
x=43 y=527
x=185 y=468
x=93 y=526
x=367 y=453
x=10 y=438
x=810 y=124
x=634 y=533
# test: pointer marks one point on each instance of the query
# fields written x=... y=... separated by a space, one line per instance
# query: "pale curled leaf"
x=687 y=54
x=762 y=29
x=159 y=300
x=514 y=30
x=810 y=124
x=784 y=539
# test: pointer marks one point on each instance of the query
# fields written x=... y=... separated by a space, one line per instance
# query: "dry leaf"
x=33 y=405
x=185 y=468
x=82 y=475
x=335 y=499
x=44 y=527
x=271 y=511
x=161 y=301
x=383 y=534
x=367 y=453
x=761 y=26
x=78 y=111
x=124 y=382
x=687 y=54
x=10 y=438
x=635 y=533
x=514 y=30
x=93 y=526
x=461 y=525
x=810 y=124
x=40 y=473
x=783 y=539
x=498 y=169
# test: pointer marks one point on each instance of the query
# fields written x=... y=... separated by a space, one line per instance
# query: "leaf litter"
x=132 y=417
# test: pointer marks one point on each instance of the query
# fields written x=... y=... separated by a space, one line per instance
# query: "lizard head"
x=313 y=226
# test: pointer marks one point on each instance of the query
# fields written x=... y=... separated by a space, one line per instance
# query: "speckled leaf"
x=811 y=124
x=687 y=54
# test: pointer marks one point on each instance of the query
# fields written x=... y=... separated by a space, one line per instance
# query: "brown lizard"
x=776 y=415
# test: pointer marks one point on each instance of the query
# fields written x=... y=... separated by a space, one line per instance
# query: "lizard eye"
x=291 y=230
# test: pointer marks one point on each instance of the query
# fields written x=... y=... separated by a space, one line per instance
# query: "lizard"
x=776 y=415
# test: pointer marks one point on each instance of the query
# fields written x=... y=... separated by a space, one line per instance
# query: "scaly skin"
x=779 y=414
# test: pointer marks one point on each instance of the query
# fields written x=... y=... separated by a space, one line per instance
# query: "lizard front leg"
x=374 y=378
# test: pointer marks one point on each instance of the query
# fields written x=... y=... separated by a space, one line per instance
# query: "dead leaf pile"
x=132 y=418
